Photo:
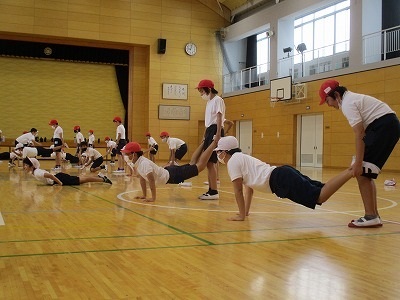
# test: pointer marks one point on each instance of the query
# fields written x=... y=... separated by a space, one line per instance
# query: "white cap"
x=227 y=143
x=34 y=162
x=19 y=145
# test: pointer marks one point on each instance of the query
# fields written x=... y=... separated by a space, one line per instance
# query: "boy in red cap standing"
x=121 y=142
x=377 y=131
x=58 y=140
x=214 y=118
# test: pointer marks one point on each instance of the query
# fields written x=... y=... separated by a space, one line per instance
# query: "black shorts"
x=43 y=152
x=57 y=142
x=97 y=162
x=288 y=182
x=120 y=145
x=381 y=136
x=113 y=152
x=155 y=147
x=181 y=151
x=208 y=139
x=67 y=179
x=178 y=174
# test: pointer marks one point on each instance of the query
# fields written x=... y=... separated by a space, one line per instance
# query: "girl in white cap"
x=32 y=166
x=248 y=173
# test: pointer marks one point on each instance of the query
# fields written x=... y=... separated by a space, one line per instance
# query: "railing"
x=381 y=45
x=377 y=46
x=249 y=77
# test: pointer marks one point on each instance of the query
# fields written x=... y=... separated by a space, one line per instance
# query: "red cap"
x=23 y=132
x=117 y=119
x=164 y=133
x=148 y=134
x=205 y=83
x=53 y=122
x=131 y=147
x=327 y=87
x=91 y=131
x=76 y=127
x=107 y=138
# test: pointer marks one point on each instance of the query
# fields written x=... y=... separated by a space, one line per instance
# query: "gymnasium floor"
x=96 y=241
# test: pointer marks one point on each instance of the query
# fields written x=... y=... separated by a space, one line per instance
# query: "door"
x=244 y=133
x=311 y=141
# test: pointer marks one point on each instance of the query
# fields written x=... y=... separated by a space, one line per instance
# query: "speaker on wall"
x=162 y=46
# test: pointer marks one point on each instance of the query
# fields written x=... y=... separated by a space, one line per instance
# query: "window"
x=262 y=52
x=325 y=32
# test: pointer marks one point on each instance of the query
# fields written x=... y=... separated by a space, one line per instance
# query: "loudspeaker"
x=162 y=46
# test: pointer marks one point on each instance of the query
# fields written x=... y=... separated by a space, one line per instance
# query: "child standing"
x=78 y=140
x=91 y=138
x=120 y=140
x=58 y=140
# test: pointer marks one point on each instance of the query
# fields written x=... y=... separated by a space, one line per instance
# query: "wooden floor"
x=95 y=241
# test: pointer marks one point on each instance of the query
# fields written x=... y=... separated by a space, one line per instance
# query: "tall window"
x=326 y=31
x=262 y=52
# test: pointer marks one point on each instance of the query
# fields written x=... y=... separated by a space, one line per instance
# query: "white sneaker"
x=112 y=163
x=364 y=223
x=105 y=168
x=368 y=167
x=207 y=196
x=186 y=184
x=119 y=171
x=390 y=182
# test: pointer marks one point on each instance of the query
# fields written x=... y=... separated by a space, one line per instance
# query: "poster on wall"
x=173 y=112
x=175 y=91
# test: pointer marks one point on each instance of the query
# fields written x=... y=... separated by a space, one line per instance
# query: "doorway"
x=244 y=134
x=310 y=140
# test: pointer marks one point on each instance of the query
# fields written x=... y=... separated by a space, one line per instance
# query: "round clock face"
x=190 y=49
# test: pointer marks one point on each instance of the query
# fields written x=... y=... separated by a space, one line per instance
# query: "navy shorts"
x=120 y=145
x=67 y=179
x=97 y=162
x=57 y=142
x=178 y=174
x=381 y=136
x=155 y=147
x=208 y=139
x=288 y=182
x=181 y=151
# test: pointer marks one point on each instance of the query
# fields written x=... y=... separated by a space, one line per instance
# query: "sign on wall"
x=173 y=112
x=175 y=91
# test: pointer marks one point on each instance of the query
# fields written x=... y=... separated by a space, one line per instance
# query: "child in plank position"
x=154 y=175
x=248 y=173
x=32 y=165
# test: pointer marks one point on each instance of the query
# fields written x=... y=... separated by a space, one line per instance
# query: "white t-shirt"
x=79 y=138
x=91 y=139
x=214 y=106
x=26 y=138
x=363 y=108
x=174 y=143
x=29 y=152
x=151 y=141
x=144 y=166
x=254 y=172
x=121 y=131
x=58 y=133
x=91 y=152
x=111 y=145
x=39 y=175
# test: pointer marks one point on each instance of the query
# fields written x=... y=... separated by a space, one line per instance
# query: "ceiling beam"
x=217 y=7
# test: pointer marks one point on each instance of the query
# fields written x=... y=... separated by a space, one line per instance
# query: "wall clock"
x=190 y=49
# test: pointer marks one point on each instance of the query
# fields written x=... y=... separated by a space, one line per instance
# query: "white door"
x=244 y=133
x=311 y=140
